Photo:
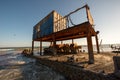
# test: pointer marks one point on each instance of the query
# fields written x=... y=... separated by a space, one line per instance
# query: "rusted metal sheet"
x=59 y=22
x=89 y=17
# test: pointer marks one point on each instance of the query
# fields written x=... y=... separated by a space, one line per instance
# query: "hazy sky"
x=17 y=18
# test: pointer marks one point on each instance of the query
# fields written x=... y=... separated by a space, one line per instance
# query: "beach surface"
x=103 y=61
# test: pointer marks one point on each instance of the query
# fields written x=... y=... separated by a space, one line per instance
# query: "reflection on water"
x=14 y=66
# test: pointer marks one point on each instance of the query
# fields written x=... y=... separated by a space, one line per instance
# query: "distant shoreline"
x=47 y=46
x=103 y=47
x=19 y=47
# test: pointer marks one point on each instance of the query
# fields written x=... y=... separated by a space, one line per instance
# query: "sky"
x=17 y=18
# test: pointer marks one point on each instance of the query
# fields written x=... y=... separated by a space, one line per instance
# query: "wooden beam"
x=70 y=37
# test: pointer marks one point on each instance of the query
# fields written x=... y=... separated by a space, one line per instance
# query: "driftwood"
x=63 y=48
x=27 y=52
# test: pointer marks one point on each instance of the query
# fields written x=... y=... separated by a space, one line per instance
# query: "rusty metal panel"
x=59 y=22
x=90 y=19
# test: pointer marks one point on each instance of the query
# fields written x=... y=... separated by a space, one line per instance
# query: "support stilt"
x=61 y=42
x=97 y=45
x=40 y=47
x=54 y=44
x=32 y=47
x=90 y=49
x=72 y=41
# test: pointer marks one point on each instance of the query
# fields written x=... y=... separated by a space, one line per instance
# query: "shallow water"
x=14 y=66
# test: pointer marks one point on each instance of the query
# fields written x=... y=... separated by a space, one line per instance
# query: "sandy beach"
x=103 y=61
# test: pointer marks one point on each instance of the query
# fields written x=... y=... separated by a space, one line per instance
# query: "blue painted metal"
x=46 y=28
x=46 y=25
x=34 y=33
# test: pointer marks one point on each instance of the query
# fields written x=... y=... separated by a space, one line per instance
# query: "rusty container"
x=53 y=22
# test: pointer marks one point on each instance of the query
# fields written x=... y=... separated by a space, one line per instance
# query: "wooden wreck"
x=58 y=30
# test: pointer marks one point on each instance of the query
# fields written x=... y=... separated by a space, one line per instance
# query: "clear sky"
x=17 y=18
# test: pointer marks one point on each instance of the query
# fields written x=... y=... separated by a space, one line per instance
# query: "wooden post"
x=97 y=45
x=61 y=42
x=32 y=47
x=51 y=43
x=90 y=48
x=40 y=47
x=54 y=44
x=72 y=41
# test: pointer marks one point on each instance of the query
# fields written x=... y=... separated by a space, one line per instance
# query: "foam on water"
x=14 y=66
x=6 y=49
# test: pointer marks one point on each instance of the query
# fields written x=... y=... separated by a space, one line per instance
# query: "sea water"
x=14 y=66
x=102 y=48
